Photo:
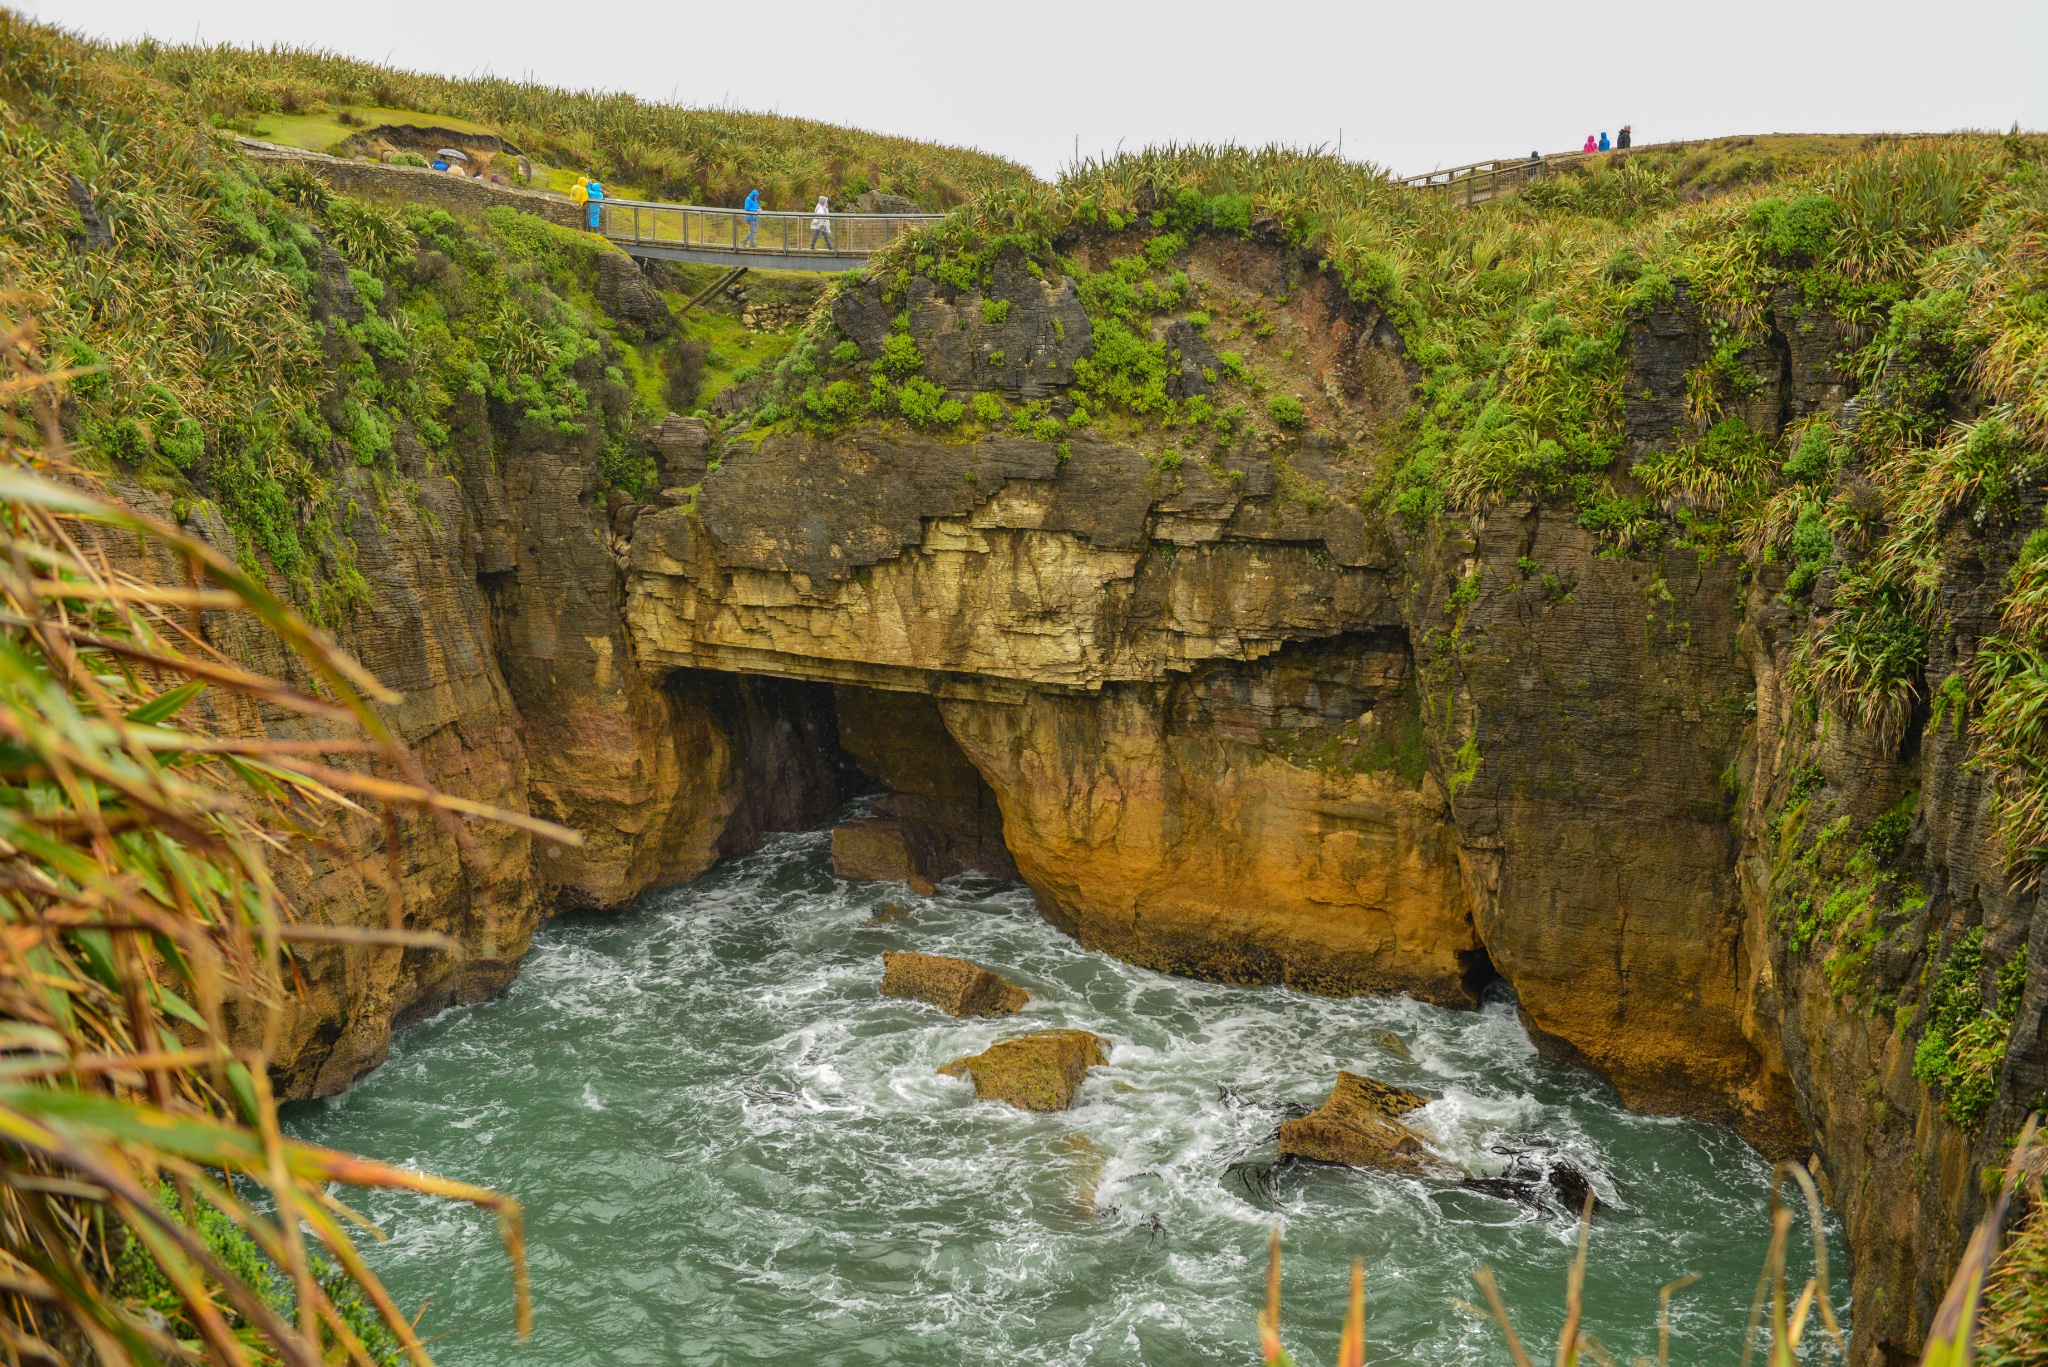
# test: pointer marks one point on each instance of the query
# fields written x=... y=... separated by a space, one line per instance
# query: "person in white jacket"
x=821 y=226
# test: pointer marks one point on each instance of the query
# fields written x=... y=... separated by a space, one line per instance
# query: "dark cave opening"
x=801 y=749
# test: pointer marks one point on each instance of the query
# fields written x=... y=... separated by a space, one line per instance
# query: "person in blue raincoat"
x=753 y=208
x=596 y=205
x=1603 y=141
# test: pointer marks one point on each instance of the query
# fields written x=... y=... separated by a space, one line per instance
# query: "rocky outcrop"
x=1359 y=1126
x=1603 y=699
x=627 y=296
x=1143 y=815
x=956 y=986
x=1220 y=719
x=1041 y=1072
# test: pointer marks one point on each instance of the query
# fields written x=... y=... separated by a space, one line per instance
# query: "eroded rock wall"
x=1251 y=823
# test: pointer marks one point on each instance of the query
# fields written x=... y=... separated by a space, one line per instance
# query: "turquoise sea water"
x=731 y=1149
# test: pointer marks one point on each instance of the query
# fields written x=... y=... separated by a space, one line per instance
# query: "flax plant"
x=135 y=900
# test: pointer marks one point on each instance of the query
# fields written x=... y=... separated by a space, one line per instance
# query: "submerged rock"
x=956 y=986
x=1393 y=1044
x=1040 y=1072
x=1542 y=1177
x=1357 y=1127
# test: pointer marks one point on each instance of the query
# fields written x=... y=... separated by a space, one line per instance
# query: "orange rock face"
x=1155 y=832
x=956 y=986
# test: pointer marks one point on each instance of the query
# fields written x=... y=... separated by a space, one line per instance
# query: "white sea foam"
x=732 y=1148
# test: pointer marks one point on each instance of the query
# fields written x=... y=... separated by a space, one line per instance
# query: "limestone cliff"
x=1221 y=709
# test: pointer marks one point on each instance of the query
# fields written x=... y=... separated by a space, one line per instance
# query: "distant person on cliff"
x=596 y=205
x=753 y=208
x=1591 y=144
x=1622 y=139
x=821 y=226
x=1603 y=140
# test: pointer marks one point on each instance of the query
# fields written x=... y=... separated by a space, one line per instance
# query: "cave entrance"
x=938 y=817
x=800 y=750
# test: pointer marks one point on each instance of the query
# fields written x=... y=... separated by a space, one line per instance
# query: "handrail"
x=1479 y=181
x=767 y=232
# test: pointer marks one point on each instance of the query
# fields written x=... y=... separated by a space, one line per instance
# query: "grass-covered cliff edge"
x=1803 y=377
x=1704 y=479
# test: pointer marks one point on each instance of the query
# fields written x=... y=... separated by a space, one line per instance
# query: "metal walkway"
x=839 y=242
x=764 y=241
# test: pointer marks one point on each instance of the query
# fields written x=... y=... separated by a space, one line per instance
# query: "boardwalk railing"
x=690 y=227
x=1479 y=181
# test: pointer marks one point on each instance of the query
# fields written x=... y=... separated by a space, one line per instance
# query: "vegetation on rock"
x=154 y=1211
x=698 y=156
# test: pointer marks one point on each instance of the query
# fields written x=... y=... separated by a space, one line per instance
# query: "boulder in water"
x=1393 y=1044
x=1357 y=1127
x=956 y=986
x=1039 y=1072
x=876 y=849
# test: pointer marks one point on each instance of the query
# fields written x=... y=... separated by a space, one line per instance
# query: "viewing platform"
x=765 y=241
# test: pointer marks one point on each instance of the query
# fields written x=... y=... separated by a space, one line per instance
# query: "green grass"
x=324 y=130
x=708 y=156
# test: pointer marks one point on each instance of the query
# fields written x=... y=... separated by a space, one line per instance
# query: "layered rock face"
x=1219 y=719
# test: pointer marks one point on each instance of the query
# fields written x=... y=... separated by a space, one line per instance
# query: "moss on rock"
x=1038 y=1072
x=956 y=986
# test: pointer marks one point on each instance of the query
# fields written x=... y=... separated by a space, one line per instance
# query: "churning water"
x=731 y=1149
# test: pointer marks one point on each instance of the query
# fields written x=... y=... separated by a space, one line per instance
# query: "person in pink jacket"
x=1592 y=144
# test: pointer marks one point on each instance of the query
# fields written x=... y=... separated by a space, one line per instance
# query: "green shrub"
x=926 y=405
x=839 y=404
x=73 y=354
x=1813 y=460
x=846 y=353
x=1231 y=213
x=1963 y=1045
x=182 y=442
x=1125 y=369
x=988 y=408
x=995 y=312
x=900 y=355
x=1288 y=412
x=1803 y=229
x=1813 y=546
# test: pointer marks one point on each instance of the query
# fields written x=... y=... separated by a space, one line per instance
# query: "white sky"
x=1411 y=86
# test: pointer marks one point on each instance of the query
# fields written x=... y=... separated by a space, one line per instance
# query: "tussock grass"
x=704 y=156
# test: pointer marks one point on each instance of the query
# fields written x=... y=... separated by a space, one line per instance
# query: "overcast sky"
x=1409 y=86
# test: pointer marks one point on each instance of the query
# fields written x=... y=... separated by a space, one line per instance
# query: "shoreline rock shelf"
x=1358 y=1127
x=958 y=987
x=1038 y=1072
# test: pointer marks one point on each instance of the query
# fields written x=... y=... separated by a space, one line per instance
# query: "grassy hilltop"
x=699 y=156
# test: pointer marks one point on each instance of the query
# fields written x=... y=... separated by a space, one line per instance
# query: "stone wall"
x=418 y=184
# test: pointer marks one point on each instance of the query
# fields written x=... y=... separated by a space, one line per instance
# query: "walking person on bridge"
x=821 y=226
x=596 y=205
x=753 y=208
